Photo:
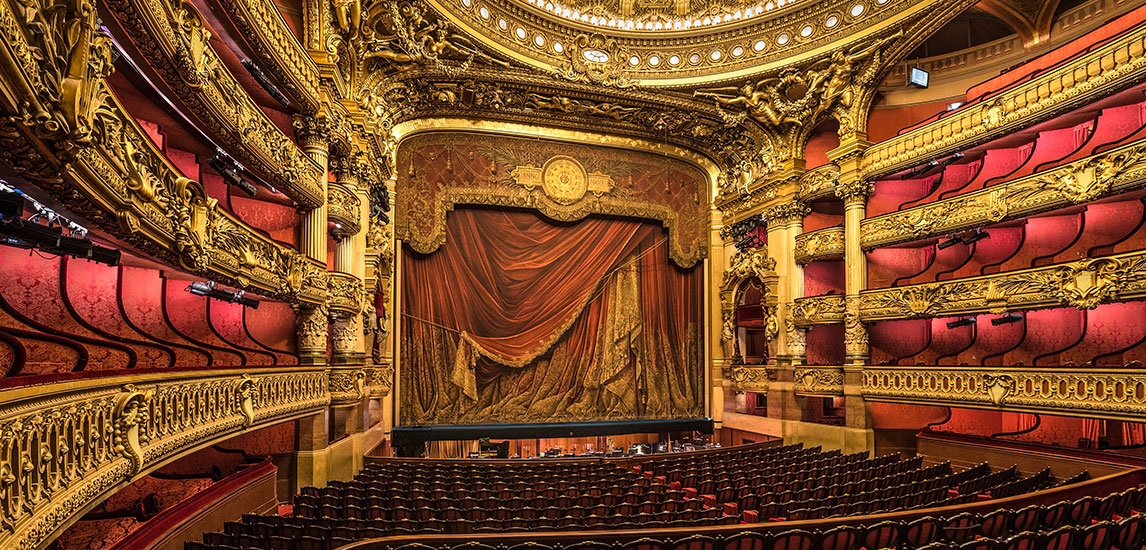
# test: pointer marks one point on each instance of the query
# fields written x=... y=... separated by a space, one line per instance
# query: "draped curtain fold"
x=519 y=318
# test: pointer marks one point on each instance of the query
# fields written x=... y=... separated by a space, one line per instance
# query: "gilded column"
x=314 y=136
x=346 y=198
x=781 y=221
x=797 y=350
x=717 y=330
x=853 y=191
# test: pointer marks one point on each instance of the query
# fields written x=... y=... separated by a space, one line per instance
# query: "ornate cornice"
x=69 y=135
x=819 y=381
x=260 y=25
x=1105 y=174
x=822 y=244
x=167 y=39
x=817 y=310
x=344 y=208
x=1107 y=69
x=1083 y=284
x=69 y=445
x=345 y=293
x=787 y=212
x=1101 y=393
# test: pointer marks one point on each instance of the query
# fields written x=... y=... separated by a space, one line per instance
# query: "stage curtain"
x=517 y=318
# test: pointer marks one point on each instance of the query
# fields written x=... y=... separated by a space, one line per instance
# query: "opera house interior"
x=573 y=274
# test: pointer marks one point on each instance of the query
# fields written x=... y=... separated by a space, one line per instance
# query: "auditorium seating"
x=690 y=492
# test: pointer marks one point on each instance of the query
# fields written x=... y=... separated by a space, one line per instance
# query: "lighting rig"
x=265 y=82
x=977 y=236
x=208 y=289
x=231 y=171
x=1007 y=319
x=964 y=322
x=48 y=237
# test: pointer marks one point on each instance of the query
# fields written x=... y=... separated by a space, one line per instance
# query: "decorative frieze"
x=819 y=183
x=347 y=385
x=1083 y=284
x=817 y=310
x=1105 y=174
x=1108 y=68
x=753 y=378
x=819 y=381
x=822 y=244
x=1104 y=393
x=66 y=448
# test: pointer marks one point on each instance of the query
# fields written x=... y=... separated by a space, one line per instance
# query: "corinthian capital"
x=313 y=130
x=852 y=189
x=786 y=212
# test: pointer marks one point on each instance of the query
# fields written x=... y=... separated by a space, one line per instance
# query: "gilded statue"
x=348 y=13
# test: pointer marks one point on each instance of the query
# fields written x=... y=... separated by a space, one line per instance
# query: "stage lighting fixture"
x=208 y=289
x=11 y=204
x=975 y=237
x=103 y=255
x=964 y=322
x=954 y=106
x=265 y=82
x=70 y=246
x=227 y=167
x=947 y=244
x=30 y=234
x=1006 y=319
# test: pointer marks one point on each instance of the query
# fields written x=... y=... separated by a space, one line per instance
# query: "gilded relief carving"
x=343 y=207
x=749 y=378
x=345 y=292
x=822 y=244
x=822 y=381
x=817 y=310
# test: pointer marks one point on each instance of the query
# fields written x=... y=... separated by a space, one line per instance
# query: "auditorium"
x=572 y=274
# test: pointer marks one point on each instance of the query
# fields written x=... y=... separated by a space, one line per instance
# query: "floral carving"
x=819 y=380
x=819 y=245
x=745 y=378
x=746 y=264
x=817 y=310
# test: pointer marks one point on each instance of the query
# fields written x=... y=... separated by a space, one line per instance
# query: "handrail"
x=1103 y=485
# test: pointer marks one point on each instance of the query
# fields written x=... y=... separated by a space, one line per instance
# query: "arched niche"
x=749 y=285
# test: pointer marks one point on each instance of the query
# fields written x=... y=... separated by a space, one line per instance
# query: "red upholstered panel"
x=216 y=187
x=45 y=354
x=187 y=314
x=824 y=139
x=1046 y=236
x=141 y=297
x=825 y=345
x=818 y=219
x=1003 y=243
x=279 y=221
x=946 y=343
x=1052 y=430
x=885 y=122
x=998 y=164
x=272 y=440
x=895 y=416
x=824 y=277
x=955 y=176
x=227 y=323
x=1110 y=329
x=1052 y=145
x=888 y=195
x=991 y=342
x=894 y=340
x=972 y=422
x=30 y=285
x=272 y=326
x=885 y=265
x=1104 y=225
x=1049 y=331
x=91 y=292
x=946 y=262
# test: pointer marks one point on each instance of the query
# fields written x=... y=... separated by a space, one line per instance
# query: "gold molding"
x=1105 y=174
x=273 y=44
x=73 y=443
x=345 y=293
x=1110 y=67
x=818 y=310
x=821 y=244
x=344 y=208
x=753 y=378
x=819 y=183
x=1083 y=284
x=167 y=39
x=1093 y=393
x=818 y=381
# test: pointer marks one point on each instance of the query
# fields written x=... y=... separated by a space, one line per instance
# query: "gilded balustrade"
x=819 y=381
x=168 y=39
x=1107 y=69
x=1094 y=393
x=344 y=208
x=345 y=293
x=274 y=46
x=1105 y=174
x=822 y=244
x=1083 y=284
x=64 y=447
x=818 y=310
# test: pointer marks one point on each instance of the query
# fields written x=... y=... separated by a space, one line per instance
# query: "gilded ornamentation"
x=170 y=35
x=65 y=448
x=1109 y=173
x=343 y=207
x=819 y=182
x=347 y=385
x=312 y=327
x=749 y=378
x=1083 y=284
x=817 y=310
x=247 y=391
x=853 y=189
x=1047 y=95
x=345 y=293
x=855 y=332
x=797 y=336
x=746 y=264
x=815 y=380
x=1117 y=393
x=822 y=244
x=596 y=59
x=787 y=212
x=380 y=380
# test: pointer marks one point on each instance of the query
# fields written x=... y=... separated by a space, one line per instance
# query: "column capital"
x=313 y=131
x=853 y=190
x=782 y=214
x=849 y=151
x=350 y=170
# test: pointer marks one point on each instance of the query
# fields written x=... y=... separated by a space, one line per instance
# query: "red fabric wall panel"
x=1052 y=430
x=187 y=163
x=955 y=177
x=992 y=341
x=823 y=277
x=896 y=416
x=1053 y=145
x=946 y=261
x=30 y=285
x=279 y=221
x=217 y=188
x=819 y=220
x=885 y=122
x=187 y=314
x=1046 y=236
x=972 y=422
x=1003 y=243
x=892 y=341
x=824 y=138
x=1115 y=125
x=1110 y=328
x=43 y=353
x=273 y=327
x=998 y=164
x=1104 y=225
x=887 y=195
x=885 y=265
x=946 y=343
x=272 y=440
x=141 y=297
x=825 y=345
x=1049 y=331
x=227 y=323
x=91 y=293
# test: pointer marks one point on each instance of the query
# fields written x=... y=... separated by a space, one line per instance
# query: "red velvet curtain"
x=518 y=318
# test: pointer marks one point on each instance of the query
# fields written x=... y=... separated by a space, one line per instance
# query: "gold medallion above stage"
x=563 y=181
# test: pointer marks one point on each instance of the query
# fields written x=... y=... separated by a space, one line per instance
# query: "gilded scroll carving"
x=380 y=380
x=1103 y=393
x=347 y=385
x=749 y=378
x=1083 y=284
x=345 y=292
x=172 y=38
x=746 y=264
x=1109 y=173
x=817 y=310
x=344 y=208
x=819 y=182
x=823 y=244
x=814 y=380
x=855 y=332
x=1109 y=67
x=66 y=449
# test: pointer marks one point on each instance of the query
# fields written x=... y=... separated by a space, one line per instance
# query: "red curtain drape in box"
x=520 y=319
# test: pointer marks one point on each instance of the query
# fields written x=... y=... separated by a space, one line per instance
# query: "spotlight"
x=265 y=82
x=1007 y=319
x=918 y=78
x=964 y=322
x=201 y=289
x=11 y=204
x=103 y=255
x=947 y=244
x=70 y=246
x=226 y=166
x=208 y=289
x=29 y=234
x=975 y=237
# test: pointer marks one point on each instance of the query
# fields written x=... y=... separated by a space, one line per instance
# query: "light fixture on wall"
x=1007 y=319
x=964 y=322
x=977 y=236
x=226 y=166
x=208 y=290
x=48 y=237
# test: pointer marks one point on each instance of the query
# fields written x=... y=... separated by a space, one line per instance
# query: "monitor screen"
x=918 y=77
